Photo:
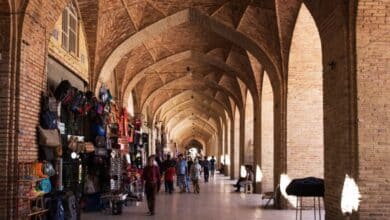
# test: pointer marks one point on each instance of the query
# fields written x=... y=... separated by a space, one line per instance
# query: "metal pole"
x=314 y=201
x=300 y=207
x=319 y=206
x=296 y=209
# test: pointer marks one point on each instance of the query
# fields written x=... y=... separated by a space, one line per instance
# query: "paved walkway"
x=216 y=201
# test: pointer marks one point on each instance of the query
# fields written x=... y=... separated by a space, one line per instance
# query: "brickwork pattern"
x=373 y=77
x=255 y=29
x=267 y=135
x=304 y=101
x=5 y=113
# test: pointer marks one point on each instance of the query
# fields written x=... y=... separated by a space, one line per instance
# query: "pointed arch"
x=305 y=128
x=267 y=135
x=249 y=129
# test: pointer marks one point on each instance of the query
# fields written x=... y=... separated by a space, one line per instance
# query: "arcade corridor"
x=89 y=89
x=216 y=201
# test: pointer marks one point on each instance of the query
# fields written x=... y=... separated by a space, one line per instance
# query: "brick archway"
x=195 y=17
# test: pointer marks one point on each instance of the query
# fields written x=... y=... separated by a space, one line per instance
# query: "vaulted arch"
x=195 y=17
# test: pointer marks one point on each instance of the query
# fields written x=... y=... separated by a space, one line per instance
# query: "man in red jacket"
x=151 y=177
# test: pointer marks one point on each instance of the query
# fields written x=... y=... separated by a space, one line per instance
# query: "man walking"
x=206 y=169
x=152 y=179
x=182 y=173
x=212 y=166
x=195 y=175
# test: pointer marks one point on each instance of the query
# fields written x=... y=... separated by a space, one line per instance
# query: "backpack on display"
x=47 y=153
x=48 y=120
x=100 y=141
x=70 y=206
x=77 y=105
x=49 y=103
x=69 y=96
x=99 y=108
x=56 y=210
x=62 y=89
x=117 y=207
x=48 y=169
x=45 y=185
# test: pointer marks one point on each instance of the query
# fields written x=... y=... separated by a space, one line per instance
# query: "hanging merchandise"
x=90 y=185
x=62 y=90
x=49 y=137
x=45 y=185
x=49 y=152
x=48 y=169
x=77 y=105
x=56 y=208
x=69 y=96
x=100 y=141
x=49 y=103
x=58 y=178
x=89 y=147
x=70 y=206
x=137 y=124
x=48 y=119
x=99 y=130
x=99 y=108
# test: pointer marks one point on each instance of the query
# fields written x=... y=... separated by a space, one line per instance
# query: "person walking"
x=188 y=179
x=152 y=179
x=181 y=173
x=206 y=169
x=169 y=176
x=165 y=165
x=195 y=170
x=212 y=166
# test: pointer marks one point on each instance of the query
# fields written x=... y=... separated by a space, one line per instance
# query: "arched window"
x=70 y=29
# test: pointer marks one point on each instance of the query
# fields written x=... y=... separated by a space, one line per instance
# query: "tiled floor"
x=216 y=201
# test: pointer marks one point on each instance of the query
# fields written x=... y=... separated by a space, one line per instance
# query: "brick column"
x=373 y=103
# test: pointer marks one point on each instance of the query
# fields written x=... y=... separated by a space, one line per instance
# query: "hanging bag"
x=89 y=147
x=48 y=169
x=48 y=119
x=49 y=137
x=72 y=143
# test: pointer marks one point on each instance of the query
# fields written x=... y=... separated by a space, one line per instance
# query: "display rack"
x=27 y=177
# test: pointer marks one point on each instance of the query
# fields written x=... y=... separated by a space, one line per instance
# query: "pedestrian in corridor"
x=152 y=179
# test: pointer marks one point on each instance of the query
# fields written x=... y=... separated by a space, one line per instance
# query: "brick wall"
x=74 y=62
x=338 y=105
x=373 y=90
x=5 y=100
x=304 y=101
x=39 y=19
x=339 y=98
x=267 y=135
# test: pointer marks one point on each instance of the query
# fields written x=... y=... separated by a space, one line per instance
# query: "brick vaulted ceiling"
x=150 y=46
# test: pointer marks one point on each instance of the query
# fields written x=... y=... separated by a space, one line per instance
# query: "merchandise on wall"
x=87 y=153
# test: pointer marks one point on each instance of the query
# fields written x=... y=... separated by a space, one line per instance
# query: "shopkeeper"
x=151 y=177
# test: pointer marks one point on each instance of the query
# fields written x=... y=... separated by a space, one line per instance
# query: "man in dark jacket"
x=206 y=169
x=151 y=177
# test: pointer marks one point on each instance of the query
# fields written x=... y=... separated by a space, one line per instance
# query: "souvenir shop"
x=91 y=153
